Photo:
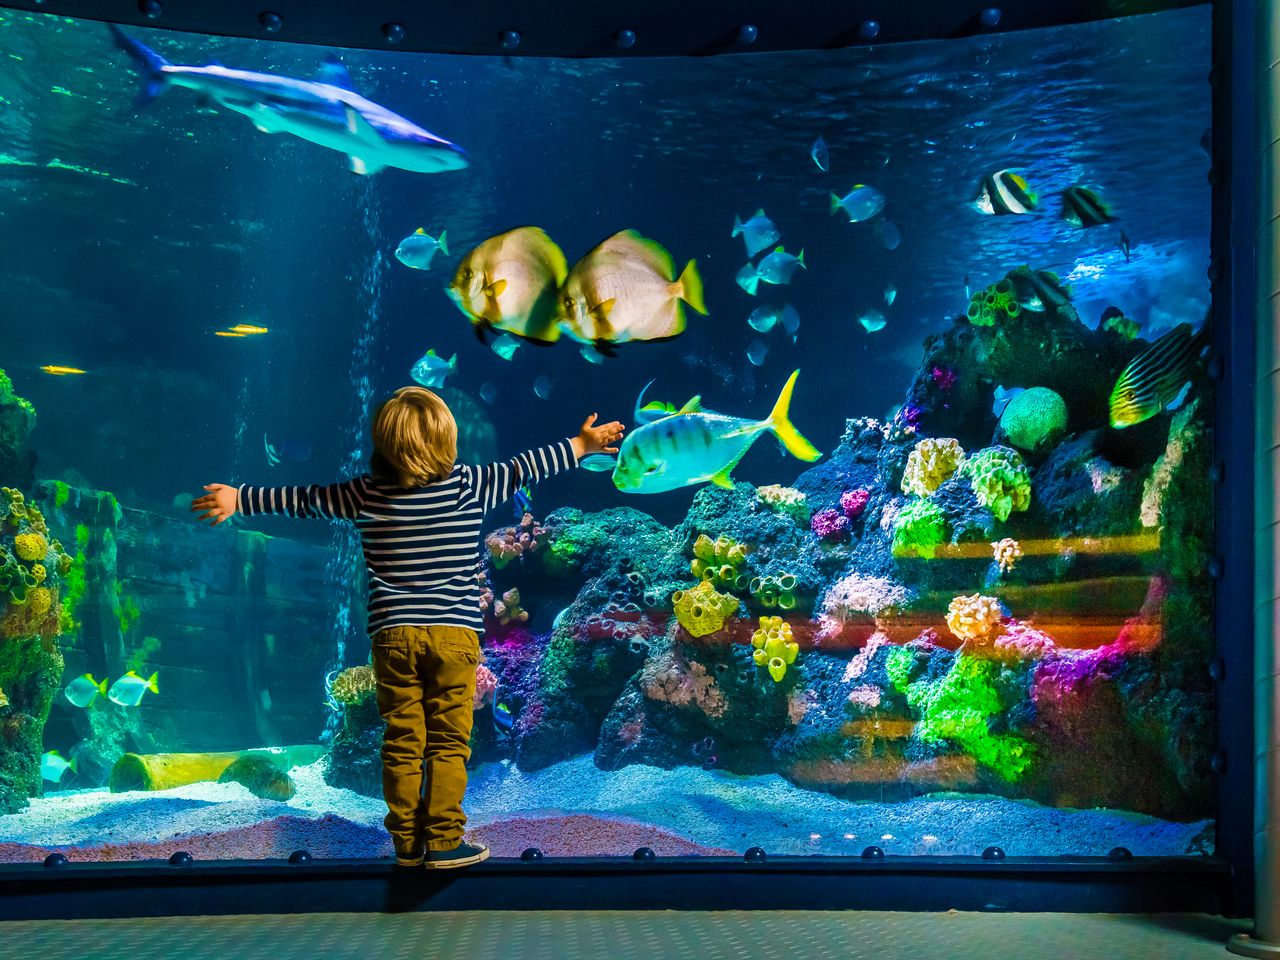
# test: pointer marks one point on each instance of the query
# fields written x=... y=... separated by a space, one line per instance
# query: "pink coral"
x=513 y=542
x=486 y=684
x=944 y=378
x=858 y=664
x=829 y=525
x=866 y=696
x=1024 y=642
x=854 y=502
x=508 y=609
x=680 y=682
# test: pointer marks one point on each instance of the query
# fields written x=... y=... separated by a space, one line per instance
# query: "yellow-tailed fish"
x=625 y=290
x=1157 y=377
x=509 y=283
x=55 y=370
x=248 y=329
x=128 y=690
x=698 y=446
x=227 y=333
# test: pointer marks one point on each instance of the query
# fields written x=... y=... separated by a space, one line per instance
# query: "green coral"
x=1122 y=325
x=959 y=708
x=996 y=302
x=353 y=685
x=703 y=610
x=1000 y=480
x=786 y=500
x=930 y=464
x=921 y=527
x=719 y=561
x=775 y=649
x=61 y=494
x=774 y=591
x=899 y=665
x=1035 y=419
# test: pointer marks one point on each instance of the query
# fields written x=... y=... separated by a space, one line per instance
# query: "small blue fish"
x=128 y=690
x=763 y=319
x=1001 y=397
x=748 y=278
x=53 y=767
x=488 y=393
x=890 y=294
x=597 y=462
x=872 y=321
x=591 y=354
x=757 y=352
x=523 y=501
x=82 y=691
x=542 y=387
x=779 y=267
x=861 y=203
x=890 y=235
x=819 y=154
x=758 y=233
x=417 y=249
x=505 y=346
x=431 y=370
x=295 y=448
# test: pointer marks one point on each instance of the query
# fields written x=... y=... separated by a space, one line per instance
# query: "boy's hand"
x=593 y=439
x=218 y=504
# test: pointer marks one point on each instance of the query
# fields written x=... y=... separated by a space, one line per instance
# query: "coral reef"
x=680 y=682
x=508 y=609
x=17 y=420
x=1000 y=480
x=974 y=618
x=702 y=610
x=853 y=503
x=994 y=303
x=920 y=529
x=829 y=524
x=1007 y=553
x=718 y=561
x=1034 y=420
x=786 y=500
x=513 y=543
x=930 y=464
x=775 y=650
x=353 y=685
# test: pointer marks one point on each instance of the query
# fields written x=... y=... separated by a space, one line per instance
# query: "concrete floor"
x=622 y=935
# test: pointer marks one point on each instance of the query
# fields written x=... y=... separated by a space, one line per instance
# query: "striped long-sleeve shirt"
x=421 y=545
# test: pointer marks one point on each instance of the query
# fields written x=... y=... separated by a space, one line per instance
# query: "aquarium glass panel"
x=904 y=544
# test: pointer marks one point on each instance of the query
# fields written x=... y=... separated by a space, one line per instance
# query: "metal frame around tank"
x=1219 y=884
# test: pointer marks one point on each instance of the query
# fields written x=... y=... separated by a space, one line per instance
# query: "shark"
x=326 y=111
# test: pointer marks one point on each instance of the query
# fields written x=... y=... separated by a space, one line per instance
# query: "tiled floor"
x=622 y=935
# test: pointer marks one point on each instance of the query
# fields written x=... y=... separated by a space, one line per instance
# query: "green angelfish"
x=695 y=446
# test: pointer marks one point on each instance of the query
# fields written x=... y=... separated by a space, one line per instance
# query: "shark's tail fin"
x=148 y=61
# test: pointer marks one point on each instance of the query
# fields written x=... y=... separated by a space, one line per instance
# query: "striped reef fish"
x=1004 y=192
x=1039 y=290
x=695 y=446
x=1083 y=207
x=1158 y=377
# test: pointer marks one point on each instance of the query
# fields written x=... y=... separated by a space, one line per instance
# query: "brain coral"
x=931 y=462
x=30 y=546
x=974 y=617
x=1000 y=480
x=1034 y=419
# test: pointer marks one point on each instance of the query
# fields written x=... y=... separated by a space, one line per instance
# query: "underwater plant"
x=702 y=610
x=931 y=462
x=1000 y=480
x=920 y=528
x=775 y=649
x=1034 y=420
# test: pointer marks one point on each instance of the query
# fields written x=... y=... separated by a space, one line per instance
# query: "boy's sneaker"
x=463 y=855
x=408 y=863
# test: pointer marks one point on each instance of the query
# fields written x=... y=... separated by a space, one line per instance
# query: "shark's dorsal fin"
x=334 y=72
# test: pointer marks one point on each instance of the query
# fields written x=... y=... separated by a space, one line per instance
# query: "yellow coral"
x=353 y=685
x=30 y=546
x=39 y=601
x=38 y=572
x=703 y=609
x=930 y=463
x=774 y=646
x=786 y=500
x=974 y=617
x=1007 y=553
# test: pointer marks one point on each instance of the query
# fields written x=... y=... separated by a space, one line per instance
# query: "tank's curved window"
x=923 y=567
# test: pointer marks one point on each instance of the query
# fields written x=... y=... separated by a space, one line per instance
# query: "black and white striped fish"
x=1004 y=192
x=1083 y=207
x=1157 y=377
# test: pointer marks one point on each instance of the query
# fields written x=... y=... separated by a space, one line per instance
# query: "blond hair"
x=415 y=438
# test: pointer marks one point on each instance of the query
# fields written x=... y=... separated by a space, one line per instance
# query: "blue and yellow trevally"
x=695 y=445
x=1158 y=376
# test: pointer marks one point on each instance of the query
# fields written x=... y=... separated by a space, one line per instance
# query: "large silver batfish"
x=326 y=111
x=697 y=446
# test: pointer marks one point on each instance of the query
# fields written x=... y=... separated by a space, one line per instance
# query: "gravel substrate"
x=573 y=808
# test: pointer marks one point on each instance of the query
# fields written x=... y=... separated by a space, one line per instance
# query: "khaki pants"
x=426 y=688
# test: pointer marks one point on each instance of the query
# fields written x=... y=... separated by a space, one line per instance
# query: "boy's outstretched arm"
x=337 y=501
x=497 y=482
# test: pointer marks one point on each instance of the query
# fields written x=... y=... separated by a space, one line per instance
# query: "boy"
x=419 y=515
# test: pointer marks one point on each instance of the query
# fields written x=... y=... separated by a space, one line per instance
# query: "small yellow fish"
x=227 y=333
x=58 y=371
x=626 y=289
x=247 y=329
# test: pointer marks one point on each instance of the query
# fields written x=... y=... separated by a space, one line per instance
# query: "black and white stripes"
x=421 y=545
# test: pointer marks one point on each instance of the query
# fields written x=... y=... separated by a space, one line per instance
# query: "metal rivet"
x=748 y=33
x=299 y=857
x=271 y=21
x=509 y=39
x=868 y=29
x=1119 y=853
x=1217 y=669
x=531 y=854
x=993 y=853
x=1214 y=568
x=755 y=855
x=180 y=858
x=151 y=9
x=990 y=16
x=1218 y=762
x=55 y=860
x=872 y=853
x=626 y=39
x=393 y=32
x=644 y=853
